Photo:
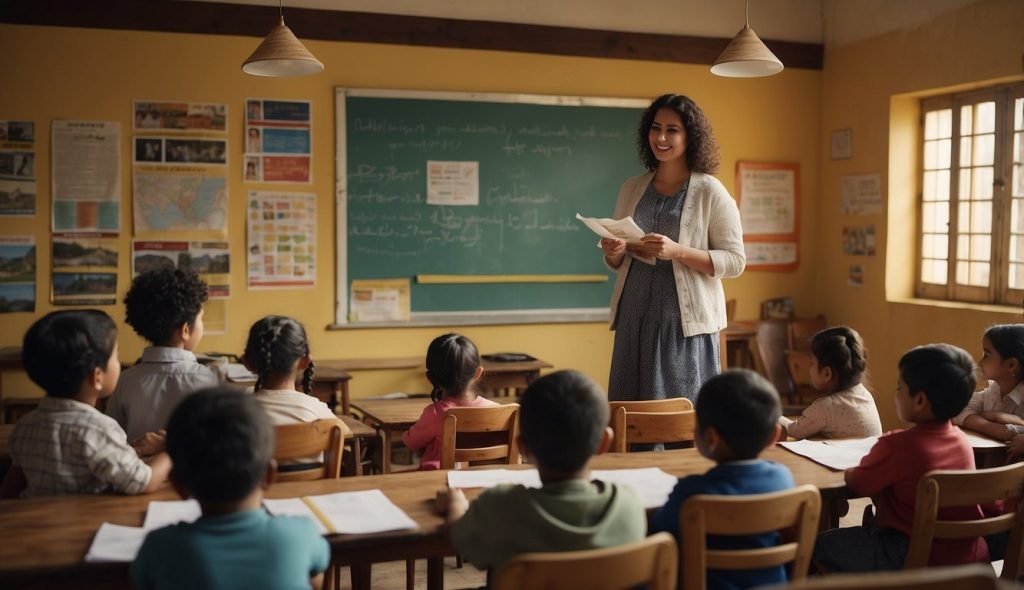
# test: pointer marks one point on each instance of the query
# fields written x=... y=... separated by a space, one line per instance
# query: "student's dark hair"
x=945 y=373
x=743 y=407
x=275 y=343
x=220 y=441
x=841 y=349
x=64 y=347
x=1008 y=340
x=452 y=362
x=701 y=145
x=160 y=301
x=561 y=419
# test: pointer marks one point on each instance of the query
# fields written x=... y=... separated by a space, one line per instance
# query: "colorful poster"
x=278 y=141
x=84 y=269
x=155 y=115
x=859 y=240
x=453 y=183
x=180 y=184
x=768 y=205
x=281 y=240
x=86 y=187
x=210 y=260
x=17 y=169
x=17 y=274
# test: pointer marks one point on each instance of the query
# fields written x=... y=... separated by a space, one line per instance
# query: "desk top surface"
x=398 y=413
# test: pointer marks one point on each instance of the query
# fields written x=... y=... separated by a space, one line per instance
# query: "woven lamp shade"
x=746 y=57
x=281 y=55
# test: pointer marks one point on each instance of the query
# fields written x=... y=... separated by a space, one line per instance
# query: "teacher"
x=667 y=315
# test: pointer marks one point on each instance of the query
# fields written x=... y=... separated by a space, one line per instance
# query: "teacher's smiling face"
x=667 y=136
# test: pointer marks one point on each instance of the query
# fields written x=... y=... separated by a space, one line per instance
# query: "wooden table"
x=52 y=535
x=330 y=385
x=739 y=347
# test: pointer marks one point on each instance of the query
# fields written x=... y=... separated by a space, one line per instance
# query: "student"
x=166 y=308
x=563 y=422
x=846 y=410
x=453 y=367
x=998 y=410
x=66 y=446
x=221 y=443
x=934 y=385
x=737 y=417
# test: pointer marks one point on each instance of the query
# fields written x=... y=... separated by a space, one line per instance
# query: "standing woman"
x=667 y=316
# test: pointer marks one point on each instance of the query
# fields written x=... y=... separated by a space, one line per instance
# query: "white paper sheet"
x=293 y=507
x=488 y=478
x=617 y=229
x=368 y=511
x=982 y=442
x=114 y=542
x=161 y=514
x=834 y=454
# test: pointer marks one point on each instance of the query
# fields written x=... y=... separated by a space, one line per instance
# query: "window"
x=971 y=206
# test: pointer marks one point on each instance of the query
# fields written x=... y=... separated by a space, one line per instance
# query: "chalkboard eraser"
x=507 y=357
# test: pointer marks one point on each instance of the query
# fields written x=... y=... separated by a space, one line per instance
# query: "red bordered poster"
x=768 y=195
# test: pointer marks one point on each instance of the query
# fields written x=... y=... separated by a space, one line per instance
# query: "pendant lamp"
x=746 y=56
x=281 y=54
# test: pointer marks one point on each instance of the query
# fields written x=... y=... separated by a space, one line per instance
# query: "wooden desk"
x=740 y=351
x=53 y=534
x=10 y=360
x=498 y=377
x=330 y=385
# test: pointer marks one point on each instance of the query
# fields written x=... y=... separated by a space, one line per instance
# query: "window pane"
x=963 y=247
x=1017 y=216
x=931 y=125
x=984 y=150
x=1016 y=276
x=946 y=123
x=935 y=217
x=981 y=217
x=966 y=120
x=979 y=274
x=934 y=271
x=1016 y=248
x=944 y=147
x=1018 y=114
x=936 y=246
x=981 y=247
x=982 y=183
x=961 y=273
x=931 y=155
x=986 y=118
x=942 y=188
x=1018 y=180
x=965 y=151
x=963 y=216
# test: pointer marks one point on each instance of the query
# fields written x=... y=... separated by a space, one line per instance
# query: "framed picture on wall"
x=842 y=144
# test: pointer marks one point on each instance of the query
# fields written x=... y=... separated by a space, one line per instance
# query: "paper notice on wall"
x=17 y=169
x=17 y=274
x=278 y=141
x=770 y=253
x=453 y=183
x=281 y=240
x=86 y=185
x=862 y=194
x=384 y=300
x=768 y=205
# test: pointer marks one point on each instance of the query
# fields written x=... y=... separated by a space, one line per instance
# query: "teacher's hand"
x=659 y=246
x=612 y=248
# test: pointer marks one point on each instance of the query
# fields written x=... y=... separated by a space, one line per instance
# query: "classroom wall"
x=874 y=87
x=56 y=73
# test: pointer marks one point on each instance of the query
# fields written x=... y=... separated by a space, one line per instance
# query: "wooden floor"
x=391 y=576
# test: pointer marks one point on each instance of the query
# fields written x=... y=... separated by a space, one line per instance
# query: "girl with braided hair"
x=277 y=351
x=453 y=368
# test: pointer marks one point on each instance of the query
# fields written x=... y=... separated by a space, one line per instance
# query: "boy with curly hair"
x=166 y=308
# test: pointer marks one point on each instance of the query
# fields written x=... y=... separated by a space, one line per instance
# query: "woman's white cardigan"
x=709 y=221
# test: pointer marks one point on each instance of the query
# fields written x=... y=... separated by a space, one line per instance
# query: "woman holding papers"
x=667 y=312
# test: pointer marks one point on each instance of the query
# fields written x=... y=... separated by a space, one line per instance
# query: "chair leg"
x=410 y=574
x=361 y=573
x=458 y=560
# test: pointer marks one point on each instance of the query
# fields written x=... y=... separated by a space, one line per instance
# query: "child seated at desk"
x=166 y=308
x=935 y=383
x=66 y=445
x=277 y=351
x=846 y=408
x=737 y=417
x=221 y=443
x=453 y=368
x=563 y=422
x=998 y=410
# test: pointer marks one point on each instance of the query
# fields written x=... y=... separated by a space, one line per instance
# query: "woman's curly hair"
x=161 y=301
x=701 y=146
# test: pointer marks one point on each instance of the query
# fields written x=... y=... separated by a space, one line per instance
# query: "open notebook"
x=842 y=454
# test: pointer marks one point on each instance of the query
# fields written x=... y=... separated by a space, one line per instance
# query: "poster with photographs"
x=17 y=274
x=278 y=141
x=17 y=169
x=86 y=185
x=180 y=166
x=166 y=115
x=281 y=240
x=84 y=269
x=210 y=260
x=859 y=240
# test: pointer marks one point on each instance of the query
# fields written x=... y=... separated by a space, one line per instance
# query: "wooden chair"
x=772 y=338
x=479 y=435
x=651 y=562
x=947 y=488
x=652 y=427
x=672 y=404
x=794 y=511
x=294 y=441
x=964 y=577
x=801 y=331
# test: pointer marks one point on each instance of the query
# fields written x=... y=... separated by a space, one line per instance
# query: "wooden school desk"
x=497 y=377
x=53 y=534
x=330 y=385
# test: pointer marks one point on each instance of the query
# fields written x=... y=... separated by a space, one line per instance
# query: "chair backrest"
x=308 y=439
x=795 y=512
x=672 y=404
x=801 y=332
x=651 y=562
x=477 y=435
x=730 y=310
x=772 y=338
x=968 y=487
x=652 y=427
x=963 y=577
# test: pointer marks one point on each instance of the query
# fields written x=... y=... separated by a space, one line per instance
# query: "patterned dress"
x=652 y=359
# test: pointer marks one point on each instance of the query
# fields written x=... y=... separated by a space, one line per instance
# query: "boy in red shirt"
x=935 y=384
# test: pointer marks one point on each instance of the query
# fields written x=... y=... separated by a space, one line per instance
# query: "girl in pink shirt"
x=453 y=367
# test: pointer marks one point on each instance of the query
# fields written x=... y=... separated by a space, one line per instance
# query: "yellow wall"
x=53 y=73
x=873 y=87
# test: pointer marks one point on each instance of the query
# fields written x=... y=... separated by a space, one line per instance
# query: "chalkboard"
x=540 y=160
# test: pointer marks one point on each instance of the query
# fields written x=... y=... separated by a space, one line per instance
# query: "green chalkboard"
x=540 y=161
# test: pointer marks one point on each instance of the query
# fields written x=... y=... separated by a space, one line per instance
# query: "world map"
x=172 y=203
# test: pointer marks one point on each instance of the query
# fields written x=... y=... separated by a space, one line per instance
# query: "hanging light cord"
x=746 y=15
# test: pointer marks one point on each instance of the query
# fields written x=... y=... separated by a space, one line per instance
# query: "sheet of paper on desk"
x=161 y=514
x=293 y=507
x=368 y=511
x=488 y=478
x=114 y=542
x=651 y=484
x=983 y=442
x=839 y=454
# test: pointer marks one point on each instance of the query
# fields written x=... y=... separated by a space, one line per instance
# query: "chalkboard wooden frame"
x=429 y=318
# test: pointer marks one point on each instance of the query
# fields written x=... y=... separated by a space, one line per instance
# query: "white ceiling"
x=832 y=22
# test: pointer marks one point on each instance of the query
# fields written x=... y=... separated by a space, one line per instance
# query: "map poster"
x=278 y=141
x=210 y=260
x=281 y=240
x=17 y=169
x=17 y=274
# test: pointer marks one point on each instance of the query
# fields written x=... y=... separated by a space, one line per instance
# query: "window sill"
x=964 y=305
